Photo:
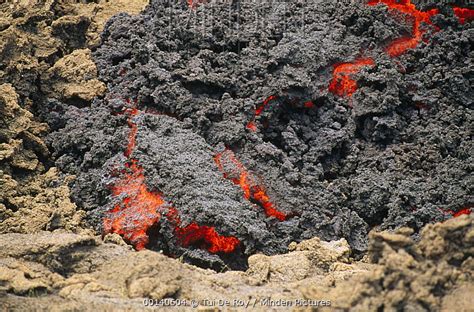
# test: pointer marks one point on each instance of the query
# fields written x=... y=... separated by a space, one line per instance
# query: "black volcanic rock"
x=399 y=152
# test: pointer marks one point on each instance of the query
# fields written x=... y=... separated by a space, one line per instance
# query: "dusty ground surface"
x=58 y=271
x=50 y=260
x=45 y=55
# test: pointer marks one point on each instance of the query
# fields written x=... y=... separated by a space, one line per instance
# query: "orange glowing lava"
x=464 y=14
x=194 y=3
x=251 y=125
x=342 y=84
x=463 y=211
x=204 y=237
x=401 y=45
x=466 y=211
x=133 y=132
x=235 y=171
x=139 y=209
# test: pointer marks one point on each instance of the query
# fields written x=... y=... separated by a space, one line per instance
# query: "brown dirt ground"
x=45 y=53
x=65 y=271
x=50 y=261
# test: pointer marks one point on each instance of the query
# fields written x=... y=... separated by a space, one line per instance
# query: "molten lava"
x=194 y=3
x=401 y=45
x=235 y=171
x=133 y=132
x=464 y=14
x=140 y=209
x=463 y=211
x=342 y=84
x=204 y=237
x=251 y=125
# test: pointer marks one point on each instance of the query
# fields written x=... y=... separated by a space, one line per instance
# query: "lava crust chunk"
x=396 y=153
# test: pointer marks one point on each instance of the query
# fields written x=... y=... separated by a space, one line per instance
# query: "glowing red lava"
x=194 y=3
x=140 y=209
x=464 y=14
x=133 y=132
x=401 y=45
x=342 y=84
x=235 y=171
x=466 y=211
x=251 y=125
x=463 y=211
x=204 y=237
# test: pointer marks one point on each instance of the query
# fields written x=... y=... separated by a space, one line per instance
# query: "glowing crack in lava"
x=194 y=3
x=235 y=171
x=463 y=211
x=204 y=237
x=464 y=14
x=251 y=125
x=401 y=45
x=139 y=209
x=133 y=132
x=342 y=84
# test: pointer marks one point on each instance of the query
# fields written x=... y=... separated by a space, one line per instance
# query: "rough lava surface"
x=50 y=260
x=396 y=150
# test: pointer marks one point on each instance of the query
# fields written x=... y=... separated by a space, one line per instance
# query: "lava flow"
x=464 y=211
x=140 y=209
x=463 y=14
x=342 y=84
x=194 y=3
x=235 y=171
x=204 y=237
x=401 y=45
x=460 y=212
x=251 y=125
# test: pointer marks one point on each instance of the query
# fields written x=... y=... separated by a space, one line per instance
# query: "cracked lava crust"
x=323 y=119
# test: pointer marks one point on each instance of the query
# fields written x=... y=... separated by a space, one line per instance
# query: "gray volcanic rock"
x=183 y=169
x=399 y=152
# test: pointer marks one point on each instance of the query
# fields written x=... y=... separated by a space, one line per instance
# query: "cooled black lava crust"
x=398 y=153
